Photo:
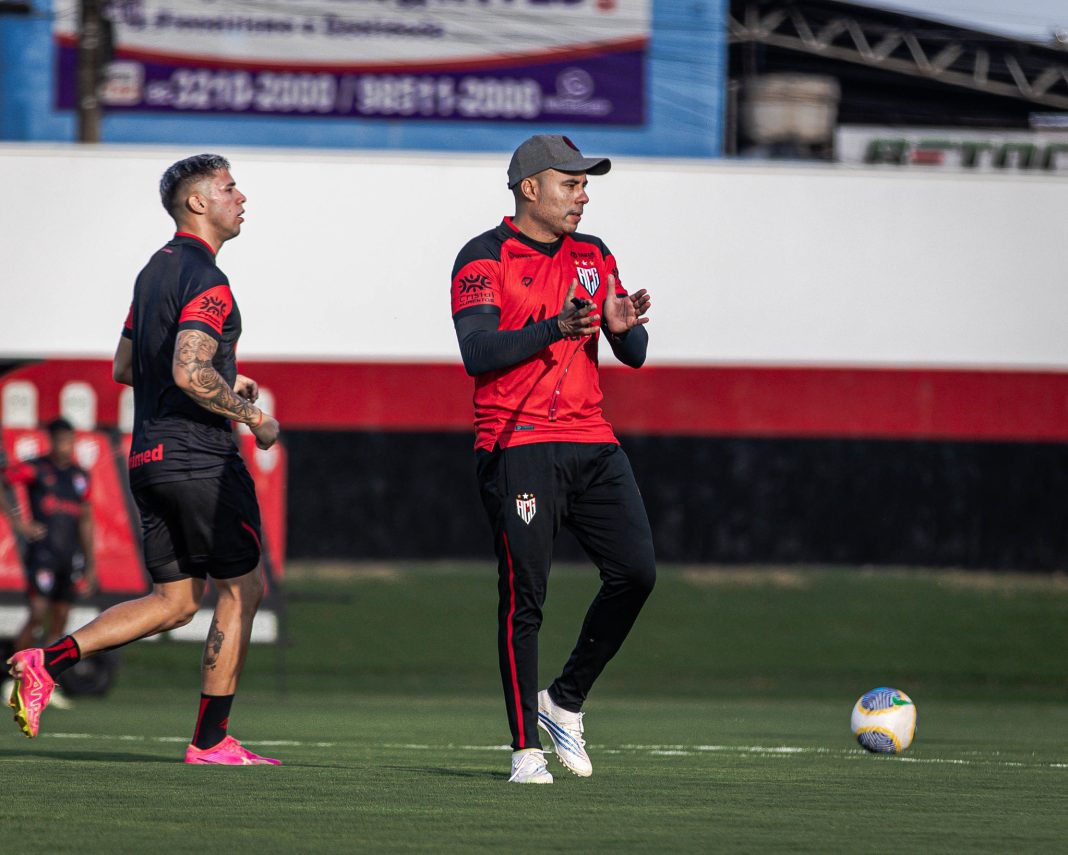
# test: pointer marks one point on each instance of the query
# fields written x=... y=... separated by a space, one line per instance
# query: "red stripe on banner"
x=511 y=646
x=564 y=53
x=1025 y=406
x=846 y=402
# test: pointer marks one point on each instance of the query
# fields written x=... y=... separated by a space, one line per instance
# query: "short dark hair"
x=184 y=172
x=59 y=426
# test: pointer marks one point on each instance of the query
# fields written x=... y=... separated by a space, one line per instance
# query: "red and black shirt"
x=555 y=395
x=57 y=497
x=174 y=438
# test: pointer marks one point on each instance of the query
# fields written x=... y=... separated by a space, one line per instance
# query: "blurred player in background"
x=58 y=533
x=530 y=300
x=199 y=514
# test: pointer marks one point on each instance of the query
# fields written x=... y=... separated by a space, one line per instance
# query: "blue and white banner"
x=512 y=60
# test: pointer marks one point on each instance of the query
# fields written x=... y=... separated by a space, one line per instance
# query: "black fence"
x=355 y=495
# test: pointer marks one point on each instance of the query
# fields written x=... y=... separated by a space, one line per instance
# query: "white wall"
x=348 y=255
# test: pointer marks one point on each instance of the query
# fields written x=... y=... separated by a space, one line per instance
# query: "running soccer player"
x=58 y=533
x=531 y=300
x=199 y=514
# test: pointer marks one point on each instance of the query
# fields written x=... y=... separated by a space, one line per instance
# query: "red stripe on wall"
x=560 y=53
x=1022 y=406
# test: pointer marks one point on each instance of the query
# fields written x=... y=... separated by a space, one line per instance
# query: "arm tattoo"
x=193 y=353
x=214 y=646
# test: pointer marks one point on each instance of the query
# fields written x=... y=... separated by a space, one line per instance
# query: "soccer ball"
x=884 y=721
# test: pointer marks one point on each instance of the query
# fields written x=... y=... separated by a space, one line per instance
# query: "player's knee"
x=247 y=591
x=177 y=612
x=643 y=578
x=255 y=596
x=182 y=614
x=252 y=587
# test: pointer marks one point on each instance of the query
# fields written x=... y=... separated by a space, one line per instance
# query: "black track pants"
x=529 y=491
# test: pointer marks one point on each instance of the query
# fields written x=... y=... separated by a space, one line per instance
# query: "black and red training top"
x=174 y=438
x=554 y=395
x=57 y=495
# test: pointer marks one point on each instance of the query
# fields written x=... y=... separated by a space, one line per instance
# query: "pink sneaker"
x=33 y=690
x=229 y=752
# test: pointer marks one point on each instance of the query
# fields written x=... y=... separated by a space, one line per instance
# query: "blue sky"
x=1029 y=19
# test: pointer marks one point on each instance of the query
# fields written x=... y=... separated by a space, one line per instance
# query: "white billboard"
x=348 y=256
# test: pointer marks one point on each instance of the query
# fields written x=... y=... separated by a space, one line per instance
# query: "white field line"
x=975 y=758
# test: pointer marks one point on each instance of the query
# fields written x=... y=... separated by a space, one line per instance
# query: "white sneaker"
x=528 y=767
x=565 y=730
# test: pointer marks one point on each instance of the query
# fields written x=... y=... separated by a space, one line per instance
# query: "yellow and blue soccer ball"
x=884 y=721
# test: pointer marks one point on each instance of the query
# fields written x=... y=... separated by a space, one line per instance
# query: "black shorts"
x=201 y=527
x=53 y=574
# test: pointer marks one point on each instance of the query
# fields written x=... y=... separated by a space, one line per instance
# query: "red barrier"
x=11 y=575
x=268 y=470
x=117 y=537
x=970 y=404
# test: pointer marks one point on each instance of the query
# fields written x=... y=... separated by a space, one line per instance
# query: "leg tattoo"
x=214 y=645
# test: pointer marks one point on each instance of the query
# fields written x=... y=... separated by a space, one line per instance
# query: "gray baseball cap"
x=551 y=151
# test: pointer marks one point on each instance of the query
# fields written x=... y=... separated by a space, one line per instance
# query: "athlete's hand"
x=88 y=584
x=30 y=530
x=622 y=314
x=575 y=321
x=266 y=432
x=247 y=388
x=641 y=301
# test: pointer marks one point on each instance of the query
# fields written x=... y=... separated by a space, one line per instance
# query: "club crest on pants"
x=525 y=506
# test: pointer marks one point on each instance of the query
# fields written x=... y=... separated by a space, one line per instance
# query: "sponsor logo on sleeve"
x=212 y=307
x=473 y=282
x=473 y=289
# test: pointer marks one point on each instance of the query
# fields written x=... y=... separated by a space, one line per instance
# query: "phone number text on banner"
x=580 y=62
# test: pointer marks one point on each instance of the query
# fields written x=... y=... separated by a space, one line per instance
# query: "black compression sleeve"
x=486 y=348
x=630 y=347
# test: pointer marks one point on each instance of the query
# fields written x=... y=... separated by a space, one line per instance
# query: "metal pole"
x=90 y=43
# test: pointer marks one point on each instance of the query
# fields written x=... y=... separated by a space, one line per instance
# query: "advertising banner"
x=555 y=61
x=985 y=150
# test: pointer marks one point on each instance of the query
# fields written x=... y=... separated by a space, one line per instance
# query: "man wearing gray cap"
x=531 y=300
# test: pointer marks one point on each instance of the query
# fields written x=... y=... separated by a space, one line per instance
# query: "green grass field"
x=722 y=726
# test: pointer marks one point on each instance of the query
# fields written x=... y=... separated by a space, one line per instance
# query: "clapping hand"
x=622 y=314
x=577 y=317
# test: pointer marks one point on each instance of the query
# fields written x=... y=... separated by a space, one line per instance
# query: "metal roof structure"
x=991 y=78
